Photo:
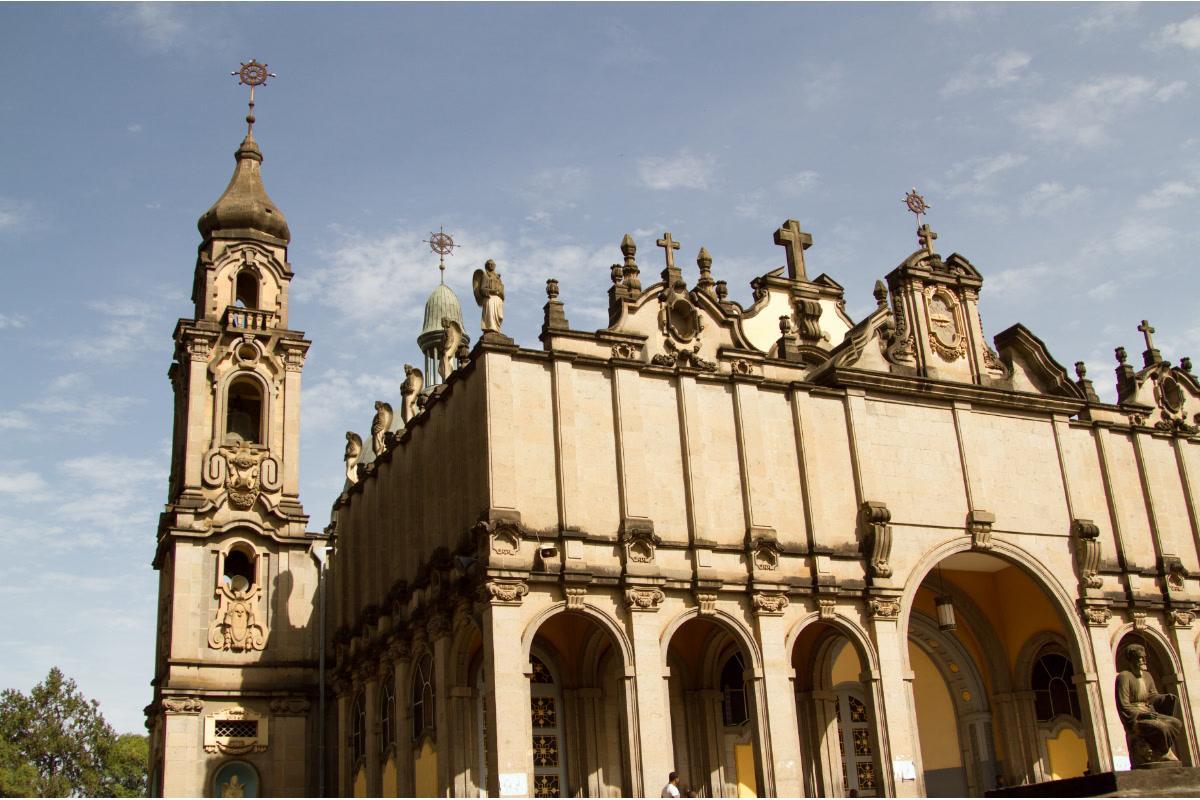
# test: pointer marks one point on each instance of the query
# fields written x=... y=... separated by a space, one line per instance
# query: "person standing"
x=672 y=787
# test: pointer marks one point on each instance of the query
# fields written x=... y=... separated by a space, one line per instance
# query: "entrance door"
x=549 y=763
x=854 y=741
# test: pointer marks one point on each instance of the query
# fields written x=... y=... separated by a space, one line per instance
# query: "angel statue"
x=454 y=337
x=380 y=425
x=353 y=451
x=489 y=294
x=410 y=390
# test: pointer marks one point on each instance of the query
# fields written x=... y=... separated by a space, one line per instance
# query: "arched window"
x=733 y=691
x=422 y=697
x=387 y=715
x=1053 y=690
x=243 y=415
x=246 y=289
x=239 y=569
x=358 y=729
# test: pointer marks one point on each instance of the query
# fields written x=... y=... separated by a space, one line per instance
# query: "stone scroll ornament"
x=380 y=425
x=244 y=472
x=489 y=294
x=410 y=391
x=236 y=627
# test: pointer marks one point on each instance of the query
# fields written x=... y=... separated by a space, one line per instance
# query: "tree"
x=54 y=742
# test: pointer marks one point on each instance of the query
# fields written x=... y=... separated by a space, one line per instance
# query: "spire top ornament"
x=252 y=74
x=443 y=244
x=917 y=205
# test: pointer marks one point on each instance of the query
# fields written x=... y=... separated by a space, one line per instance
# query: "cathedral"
x=772 y=549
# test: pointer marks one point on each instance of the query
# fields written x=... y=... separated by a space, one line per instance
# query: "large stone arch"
x=595 y=614
x=735 y=627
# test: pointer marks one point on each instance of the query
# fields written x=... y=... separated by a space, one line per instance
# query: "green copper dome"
x=245 y=207
x=442 y=302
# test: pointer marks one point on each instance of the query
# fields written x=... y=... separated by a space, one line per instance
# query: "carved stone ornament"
x=244 y=472
x=1139 y=620
x=877 y=538
x=410 y=392
x=293 y=359
x=639 y=544
x=238 y=625
x=945 y=328
x=506 y=540
x=683 y=357
x=1174 y=573
x=1171 y=399
x=182 y=705
x=626 y=351
x=740 y=366
x=1097 y=616
x=765 y=554
x=644 y=599
x=1085 y=534
x=506 y=592
x=235 y=731
x=291 y=706
x=826 y=607
x=199 y=348
x=576 y=595
x=707 y=602
x=439 y=625
x=677 y=315
x=885 y=608
x=1182 y=619
x=979 y=524
x=770 y=605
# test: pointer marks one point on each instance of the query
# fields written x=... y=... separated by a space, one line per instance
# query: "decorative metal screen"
x=237 y=728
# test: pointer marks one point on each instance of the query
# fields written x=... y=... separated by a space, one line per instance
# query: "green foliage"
x=54 y=742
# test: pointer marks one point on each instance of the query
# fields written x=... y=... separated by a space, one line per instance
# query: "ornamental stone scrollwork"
x=439 y=624
x=979 y=524
x=740 y=366
x=677 y=315
x=770 y=605
x=639 y=543
x=244 y=471
x=683 y=357
x=885 y=608
x=1182 y=619
x=1097 y=616
x=826 y=608
x=291 y=706
x=707 y=602
x=1174 y=573
x=625 y=351
x=1087 y=552
x=182 y=705
x=644 y=599
x=235 y=731
x=945 y=329
x=575 y=595
x=1139 y=621
x=293 y=360
x=199 y=348
x=505 y=540
x=1171 y=399
x=237 y=627
x=877 y=538
x=507 y=593
x=764 y=552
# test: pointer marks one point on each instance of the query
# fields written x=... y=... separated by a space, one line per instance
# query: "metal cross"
x=443 y=244
x=795 y=241
x=1148 y=332
x=669 y=245
x=252 y=74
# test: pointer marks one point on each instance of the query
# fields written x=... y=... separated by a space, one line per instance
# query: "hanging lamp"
x=945 y=606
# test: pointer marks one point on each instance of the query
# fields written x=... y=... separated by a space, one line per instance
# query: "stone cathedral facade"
x=775 y=549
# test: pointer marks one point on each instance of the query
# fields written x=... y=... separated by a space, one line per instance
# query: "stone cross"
x=796 y=242
x=1151 y=355
x=670 y=245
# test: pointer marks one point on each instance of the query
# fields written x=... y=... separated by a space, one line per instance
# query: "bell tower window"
x=243 y=417
x=246 y=290
x=239 y=570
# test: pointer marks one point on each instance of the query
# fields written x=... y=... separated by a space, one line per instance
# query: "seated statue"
x=1151 y=726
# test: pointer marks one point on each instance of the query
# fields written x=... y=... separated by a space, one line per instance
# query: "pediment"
x=1033 y=368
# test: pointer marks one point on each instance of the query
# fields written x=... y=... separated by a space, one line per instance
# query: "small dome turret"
x=442 y=302
x=245 y=208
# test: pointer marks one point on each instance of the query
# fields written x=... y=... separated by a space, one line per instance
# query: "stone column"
x=293 y=363
x=509 y=729
x=370 y=680
x=199 y=419
x=779 y=719
x=1189 y=688
x=404 y=756
x=1107 y=718
x=593 y=752
x=900 y=748
x=447 y=737
x=653 y=722
x=463 y=745
x=345 y=778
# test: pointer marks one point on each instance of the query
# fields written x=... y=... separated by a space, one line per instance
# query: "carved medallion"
x=945 y=332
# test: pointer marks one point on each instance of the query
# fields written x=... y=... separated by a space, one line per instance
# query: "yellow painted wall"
x=1068 y=755
x=360 y=782
x=425 y=780
x=389 y=777
x=743 y=759
x=846 y=667
x=937 y=725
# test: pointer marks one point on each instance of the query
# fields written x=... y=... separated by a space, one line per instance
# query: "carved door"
x=549 y=761
x=854 y=741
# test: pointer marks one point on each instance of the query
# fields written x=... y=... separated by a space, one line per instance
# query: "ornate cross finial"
x=443 y=244
x=252 y=74
x=917 y=205
x=1151 y=355
x=669 y=245
x=796 y=242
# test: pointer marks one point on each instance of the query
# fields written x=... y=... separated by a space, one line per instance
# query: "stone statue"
x=450 y=344
x=489 y=294
x=1151 y=726
x=410 y=390
x=380 y=425
x=353 y=451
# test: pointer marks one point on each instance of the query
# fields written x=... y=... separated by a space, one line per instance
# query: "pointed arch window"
x=387 y=715
x=733 y=691
x=1053 y=686
x=422 y=697
x=358 y=729
x=246 y=289
x=243 y=412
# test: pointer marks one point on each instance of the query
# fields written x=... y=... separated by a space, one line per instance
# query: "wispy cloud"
x=798 y=183
x=1106 y=18
x=134 y=127
x=957 y=13
x=126 y=330
x=12 y=321
x=14 y=214
x=995 y=71
x=1181 y=34
x=1051 y=197
x=554 y=189
x=15 y=421
x=1170 y=91
x=25 y=484
x=974 y=176
x=1166 y=195
x=157 y=26
x=1018 y=281
x=1082 y=117
x=72 y=403
x=684 y=170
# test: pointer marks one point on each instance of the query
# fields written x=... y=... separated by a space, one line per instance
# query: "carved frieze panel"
x=1097 y=616
x=639 y=543
x=182 y=705
x=506 y=540
x=291 y=706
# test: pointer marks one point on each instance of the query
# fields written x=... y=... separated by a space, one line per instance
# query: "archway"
x=836 y=709
x=714 y=711
x=981 y=629
x=578 y=709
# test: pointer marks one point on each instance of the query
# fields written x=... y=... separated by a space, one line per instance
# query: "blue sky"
x=1057 y=146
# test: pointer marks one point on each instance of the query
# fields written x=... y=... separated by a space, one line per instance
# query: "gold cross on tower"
x=796 y=242
x=670 y=245
x=252 y=74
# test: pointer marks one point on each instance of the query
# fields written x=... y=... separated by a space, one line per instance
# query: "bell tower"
x=236 y=662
